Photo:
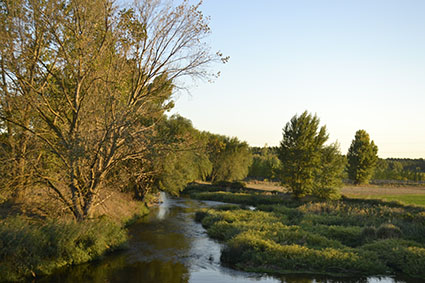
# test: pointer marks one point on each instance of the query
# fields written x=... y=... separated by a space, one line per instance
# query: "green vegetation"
x=84 y=91
x=400 y=170
x=409 y=199
x=30 y=247
x=265 y=164
x=340 y=237
x=362 y=158
x=230 y=158
x=308 y=166
x=84 y=86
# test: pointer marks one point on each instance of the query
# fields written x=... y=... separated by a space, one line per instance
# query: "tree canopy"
x=308 y=166
x=265 y=163
x=230 y=158
x=83 y=84
x=362 y=158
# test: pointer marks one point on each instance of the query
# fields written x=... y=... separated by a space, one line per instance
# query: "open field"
x=406 y=194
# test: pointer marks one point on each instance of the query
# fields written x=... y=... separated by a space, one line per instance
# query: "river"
x=169 y=246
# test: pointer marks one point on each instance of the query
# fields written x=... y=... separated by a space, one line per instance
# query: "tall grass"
x=32 y=248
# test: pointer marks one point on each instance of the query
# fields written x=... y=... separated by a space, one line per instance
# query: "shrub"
x=200 y=215
x=250 y=250
x=386 y=231
x=368 y=234
x=349 y=236
x=400 y=255
x=291 y=215
x=223 y=231
x=298 y=236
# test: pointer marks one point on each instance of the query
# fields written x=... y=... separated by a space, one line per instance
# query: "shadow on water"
x=168 y=246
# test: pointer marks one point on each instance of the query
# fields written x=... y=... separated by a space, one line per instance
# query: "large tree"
x=308 y=166
x=230 y=158
x=265 y=163
x=362 y=158
x=89 y=81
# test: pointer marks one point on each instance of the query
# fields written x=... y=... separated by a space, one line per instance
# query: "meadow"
x=269 y=231
x=414 y=195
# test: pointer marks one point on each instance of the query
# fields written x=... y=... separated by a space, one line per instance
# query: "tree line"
x=400 y=170
x=305 y=164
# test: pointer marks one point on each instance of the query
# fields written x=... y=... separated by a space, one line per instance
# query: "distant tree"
x=309 y=167
x=362 y=158
x=230 y=158
x=265 y=163
x=399 y=170
x=329 y=178
x=184 y=159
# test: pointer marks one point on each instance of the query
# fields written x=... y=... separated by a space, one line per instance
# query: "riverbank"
x=34 y=244
x=344 y=237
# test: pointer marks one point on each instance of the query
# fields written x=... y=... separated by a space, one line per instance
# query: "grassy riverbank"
x=344 y=237
x=32 y=245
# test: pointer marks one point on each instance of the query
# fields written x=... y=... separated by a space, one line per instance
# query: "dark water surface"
x=168 y=246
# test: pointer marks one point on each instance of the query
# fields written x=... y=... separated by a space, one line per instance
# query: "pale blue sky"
x=358 y=64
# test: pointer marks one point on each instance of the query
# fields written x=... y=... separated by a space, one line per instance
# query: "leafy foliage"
x=307 y=165
x=230 y=158
x=185 y=158
x=82 y=86
x=265 y=164
x=333 y=237
x=400 y=170
x=362 y=158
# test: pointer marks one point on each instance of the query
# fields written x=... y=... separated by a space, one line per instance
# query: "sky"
x=357 y=64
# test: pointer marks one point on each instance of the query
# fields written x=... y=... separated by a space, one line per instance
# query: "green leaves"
x=230 y=158
x=362 y=158
x=309 y=166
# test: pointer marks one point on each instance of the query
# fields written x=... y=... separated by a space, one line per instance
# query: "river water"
x=169 y=246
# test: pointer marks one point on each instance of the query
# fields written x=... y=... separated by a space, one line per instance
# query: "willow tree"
x=89 y=80
x=230 y=158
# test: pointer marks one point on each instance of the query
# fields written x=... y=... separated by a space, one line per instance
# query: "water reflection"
x=168 y=246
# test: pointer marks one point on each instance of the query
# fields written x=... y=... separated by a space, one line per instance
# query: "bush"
x=348 y=236
x=29 y=247
x=252 y=252
x=290 y=215
x=368 y=234
x=223 y=231
x=386 y=231
x=400 y=255
x=200 y=215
